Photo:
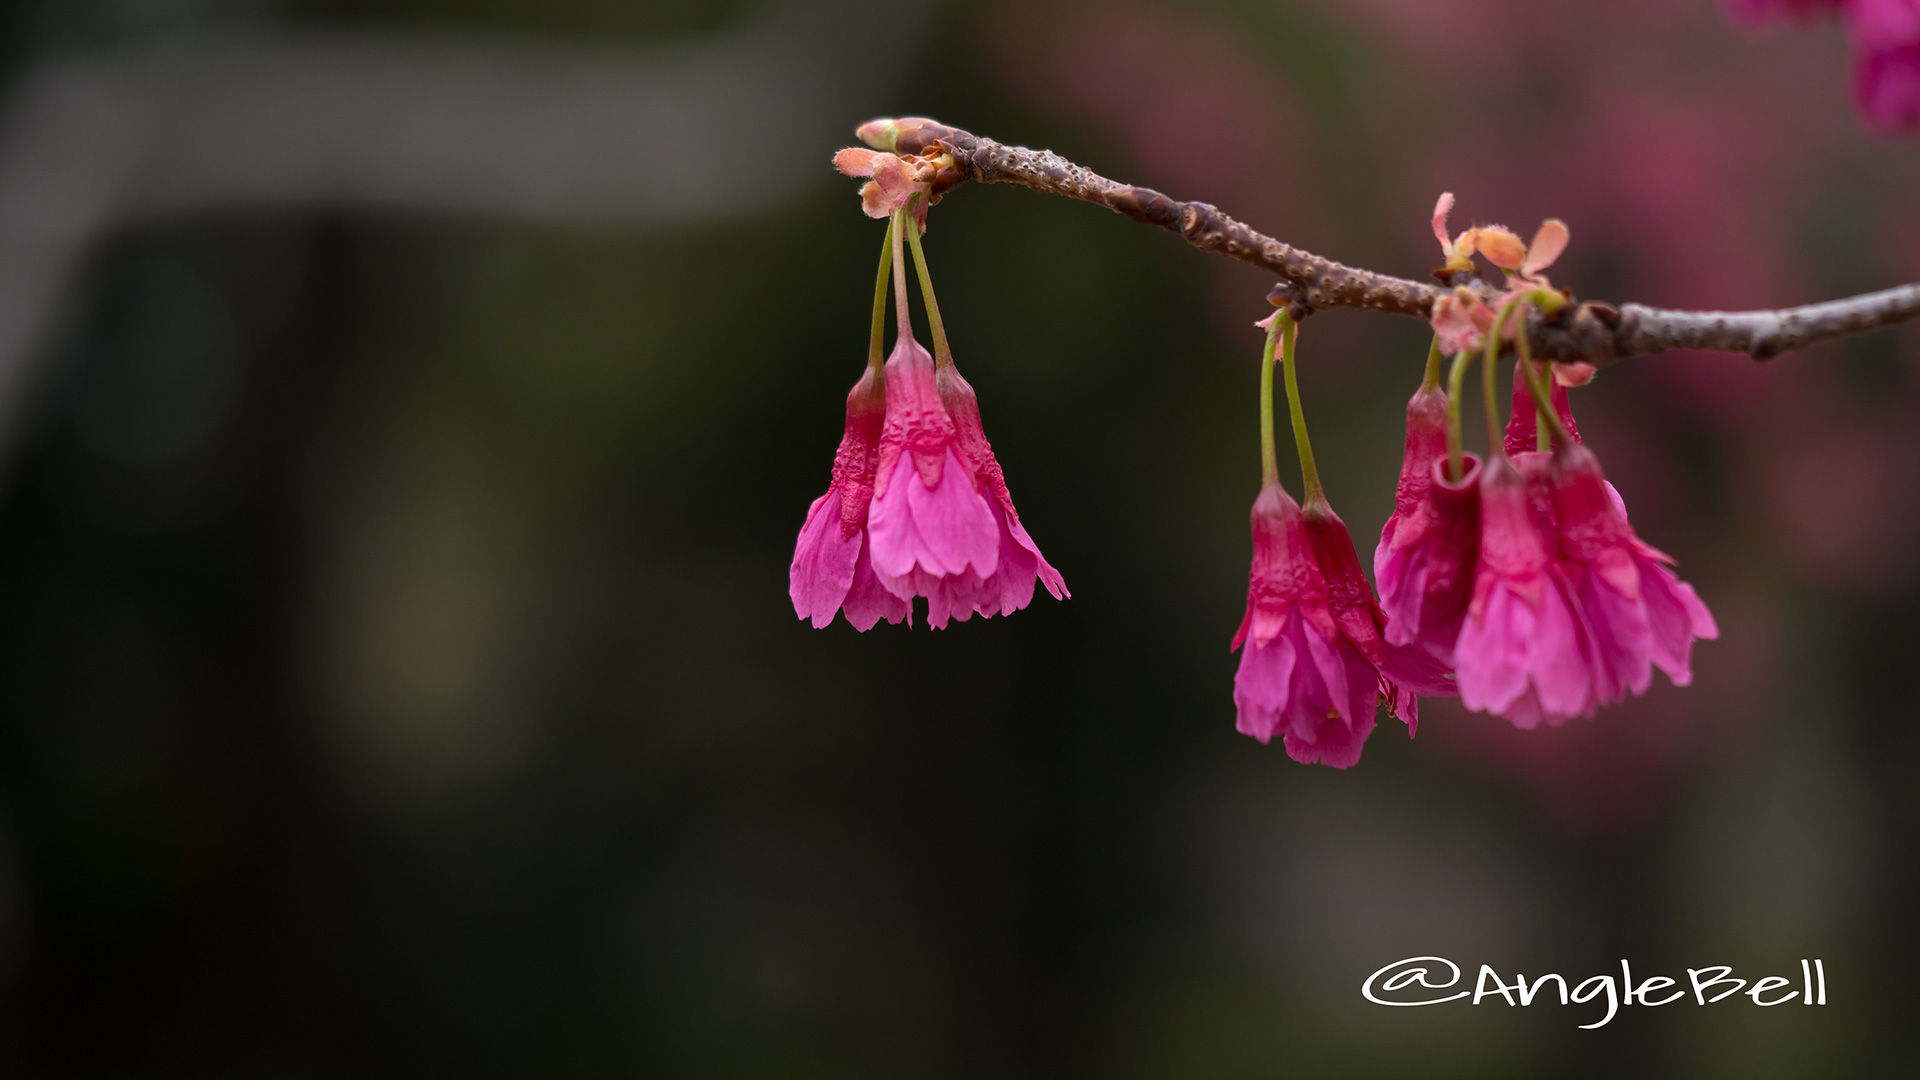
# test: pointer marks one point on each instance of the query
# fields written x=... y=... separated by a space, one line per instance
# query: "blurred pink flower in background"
x=1199 y=111
x=1886 y=51
x=1886 y=72
x=1757 y=11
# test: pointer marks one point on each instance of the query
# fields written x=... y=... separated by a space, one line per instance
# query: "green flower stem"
x=1309 y=475
x=1269 y=462
x=876 y=355
x=1456 y=379
x=1432 y=377
x=1496 y=441
x=942 y=355
x=1546 y=416
x=894 y=233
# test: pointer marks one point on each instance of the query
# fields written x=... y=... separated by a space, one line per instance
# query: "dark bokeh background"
x=410 y=406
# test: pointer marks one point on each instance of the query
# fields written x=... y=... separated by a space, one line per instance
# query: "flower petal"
x=1501 y=247
x=1548 y=242
x=868 y=601
x=954 y=522
x=1262 y=687
x=823 y=562
x=1490 y=660
x=856 y=160
x=1441 y=208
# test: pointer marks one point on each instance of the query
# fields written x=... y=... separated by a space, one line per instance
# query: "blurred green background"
x=410 y=406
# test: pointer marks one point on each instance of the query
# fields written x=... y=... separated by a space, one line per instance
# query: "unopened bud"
x=914 y=134
x=882 y=134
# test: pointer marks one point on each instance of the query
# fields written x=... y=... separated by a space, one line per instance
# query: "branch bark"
x=1592 y=331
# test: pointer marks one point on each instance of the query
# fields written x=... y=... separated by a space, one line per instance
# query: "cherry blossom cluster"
x=1513 y=581
x=918 y=506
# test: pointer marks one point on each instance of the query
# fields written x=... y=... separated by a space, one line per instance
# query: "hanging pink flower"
x=1637 y=613
x=831 y=568
x=928 y=522
x=1427 y=551
x=1299 y=677
x=1403 y=673
x=1407 y=526
x=1010 y=586
x=1522 y=652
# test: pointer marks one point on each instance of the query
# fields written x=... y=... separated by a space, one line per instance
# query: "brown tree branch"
x=1596 y=332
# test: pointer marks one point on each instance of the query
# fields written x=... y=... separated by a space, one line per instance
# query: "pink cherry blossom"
x=1522 y=652
x=1637 y=614
x=1010 y=585
x=1425 y=559
x=928 y=523
x=832 y=570
x=1403 y=673
x=1426 y=444
x=1299 y=677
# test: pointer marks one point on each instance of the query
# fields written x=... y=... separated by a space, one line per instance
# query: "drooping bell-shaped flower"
x=1637 y=613
x=928 y=521
x=1522 y=652
x=832 y=569
x=1426 y=567
x=1010 y=586
x=1425 y=559
x=1299 y=677
x=832 y=566
x=1315 y=663
x=975 y=555
x=1403 y=672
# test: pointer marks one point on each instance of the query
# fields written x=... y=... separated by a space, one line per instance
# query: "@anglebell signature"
x=1413 y=982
